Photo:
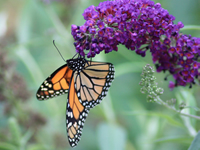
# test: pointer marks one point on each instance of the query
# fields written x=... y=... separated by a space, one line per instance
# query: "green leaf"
x=37 y=147
x=180 y=139
x=111 y=136
x=15 y=131
x=25 y=22
x=26 y=137
x=7 y=146
x=186 y=96
x=193 y=107
x=195 y=143
x=158 y=114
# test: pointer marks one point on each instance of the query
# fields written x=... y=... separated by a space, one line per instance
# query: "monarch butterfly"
x=86 y=83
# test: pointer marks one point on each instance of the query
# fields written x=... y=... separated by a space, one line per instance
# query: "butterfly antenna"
x=74 y=55
x=58 y=50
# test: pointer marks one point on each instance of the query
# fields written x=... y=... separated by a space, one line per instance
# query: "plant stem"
x=172 y=108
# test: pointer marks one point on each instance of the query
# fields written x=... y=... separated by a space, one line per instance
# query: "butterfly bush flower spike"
x=149 y=85
x=140 y=25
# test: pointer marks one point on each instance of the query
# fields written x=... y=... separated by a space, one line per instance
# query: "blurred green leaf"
x=37 y=147
x=195 y=143
x=25 y=56
x=15 y=131
x=158 y=114
x=25 y=22
x=186 y=96
x=111 y=136
x=181 y=139
x=7 y=146
x=26 y=137
x=193 y=107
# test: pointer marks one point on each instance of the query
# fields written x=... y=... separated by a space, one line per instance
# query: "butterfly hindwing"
x=56 y=84
x=93 y=82
x=75 y=115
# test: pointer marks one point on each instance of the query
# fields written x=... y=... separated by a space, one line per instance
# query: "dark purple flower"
x=135 y=23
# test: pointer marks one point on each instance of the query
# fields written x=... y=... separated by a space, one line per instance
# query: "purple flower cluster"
x=140 y=25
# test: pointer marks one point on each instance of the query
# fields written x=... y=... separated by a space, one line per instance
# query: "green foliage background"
x=123 y=121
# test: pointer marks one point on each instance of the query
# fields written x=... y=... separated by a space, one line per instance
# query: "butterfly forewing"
x=93 y=82
x=56 y=84
x=75 y=116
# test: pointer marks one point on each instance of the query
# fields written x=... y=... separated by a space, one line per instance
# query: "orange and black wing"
x=56 y=84
x=93 y=82
x=75 y=116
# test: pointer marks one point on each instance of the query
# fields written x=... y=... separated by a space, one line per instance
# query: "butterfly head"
x=77 y=64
